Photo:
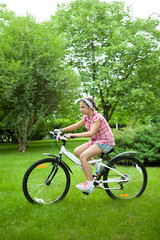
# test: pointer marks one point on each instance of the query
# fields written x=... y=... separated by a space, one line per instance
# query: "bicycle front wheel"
x=126 y=179
x=46 y=181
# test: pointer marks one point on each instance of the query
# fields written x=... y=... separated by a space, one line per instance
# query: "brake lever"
x=52 y=132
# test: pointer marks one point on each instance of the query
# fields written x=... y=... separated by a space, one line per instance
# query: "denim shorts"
x=104 y=147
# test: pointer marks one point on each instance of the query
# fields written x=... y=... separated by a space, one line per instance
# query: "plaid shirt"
x=104 y=134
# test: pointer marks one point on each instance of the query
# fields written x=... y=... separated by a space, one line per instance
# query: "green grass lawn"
x=77 y=217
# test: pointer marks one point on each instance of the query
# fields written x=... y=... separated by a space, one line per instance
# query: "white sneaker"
x=85 y=187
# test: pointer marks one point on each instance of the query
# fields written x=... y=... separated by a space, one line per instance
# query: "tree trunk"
x=22 y=144
x=25 y=131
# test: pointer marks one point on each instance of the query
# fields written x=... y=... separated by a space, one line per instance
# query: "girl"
x=102 y=139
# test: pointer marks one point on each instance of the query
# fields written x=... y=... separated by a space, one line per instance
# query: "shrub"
x=124 y=137
x=147 y=143
x=143 y=139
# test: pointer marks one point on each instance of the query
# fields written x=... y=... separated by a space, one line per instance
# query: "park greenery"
x=77 y=216
x=116 y=55
x=35 y=79
x=88 y=47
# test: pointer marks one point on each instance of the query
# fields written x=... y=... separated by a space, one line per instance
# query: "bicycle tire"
x=134 y=170
x=46 y=181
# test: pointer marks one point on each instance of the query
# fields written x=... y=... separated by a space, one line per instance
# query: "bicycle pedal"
x=86 y=193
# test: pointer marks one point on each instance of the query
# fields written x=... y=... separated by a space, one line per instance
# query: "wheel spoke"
x=135 y=174
x=43 y=184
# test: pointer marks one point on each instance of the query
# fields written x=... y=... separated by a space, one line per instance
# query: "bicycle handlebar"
x=58 y=135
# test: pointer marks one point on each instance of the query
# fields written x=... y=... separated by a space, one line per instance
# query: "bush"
x=124 y=138
x=143 y=139
x=147 y=143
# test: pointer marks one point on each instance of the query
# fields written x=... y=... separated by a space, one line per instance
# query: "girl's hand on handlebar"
x=57 y=130
x=69 y=135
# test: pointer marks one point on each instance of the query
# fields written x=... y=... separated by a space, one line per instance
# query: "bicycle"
x=48 y=180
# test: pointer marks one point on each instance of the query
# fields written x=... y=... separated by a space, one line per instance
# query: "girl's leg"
x=85 y=157
x=80 y=149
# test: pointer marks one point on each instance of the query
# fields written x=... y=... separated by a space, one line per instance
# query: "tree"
x=111 y=50
x=34 y=81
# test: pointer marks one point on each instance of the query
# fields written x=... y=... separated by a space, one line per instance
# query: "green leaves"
x=34 y=79
x=111 y=51
x=116 y=58
x=147 y=143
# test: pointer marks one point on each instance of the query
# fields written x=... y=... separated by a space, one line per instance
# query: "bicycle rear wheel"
x=46 y=181
x=132 y=170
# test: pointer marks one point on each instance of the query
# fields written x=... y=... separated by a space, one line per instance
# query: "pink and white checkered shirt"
x=104 y=134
